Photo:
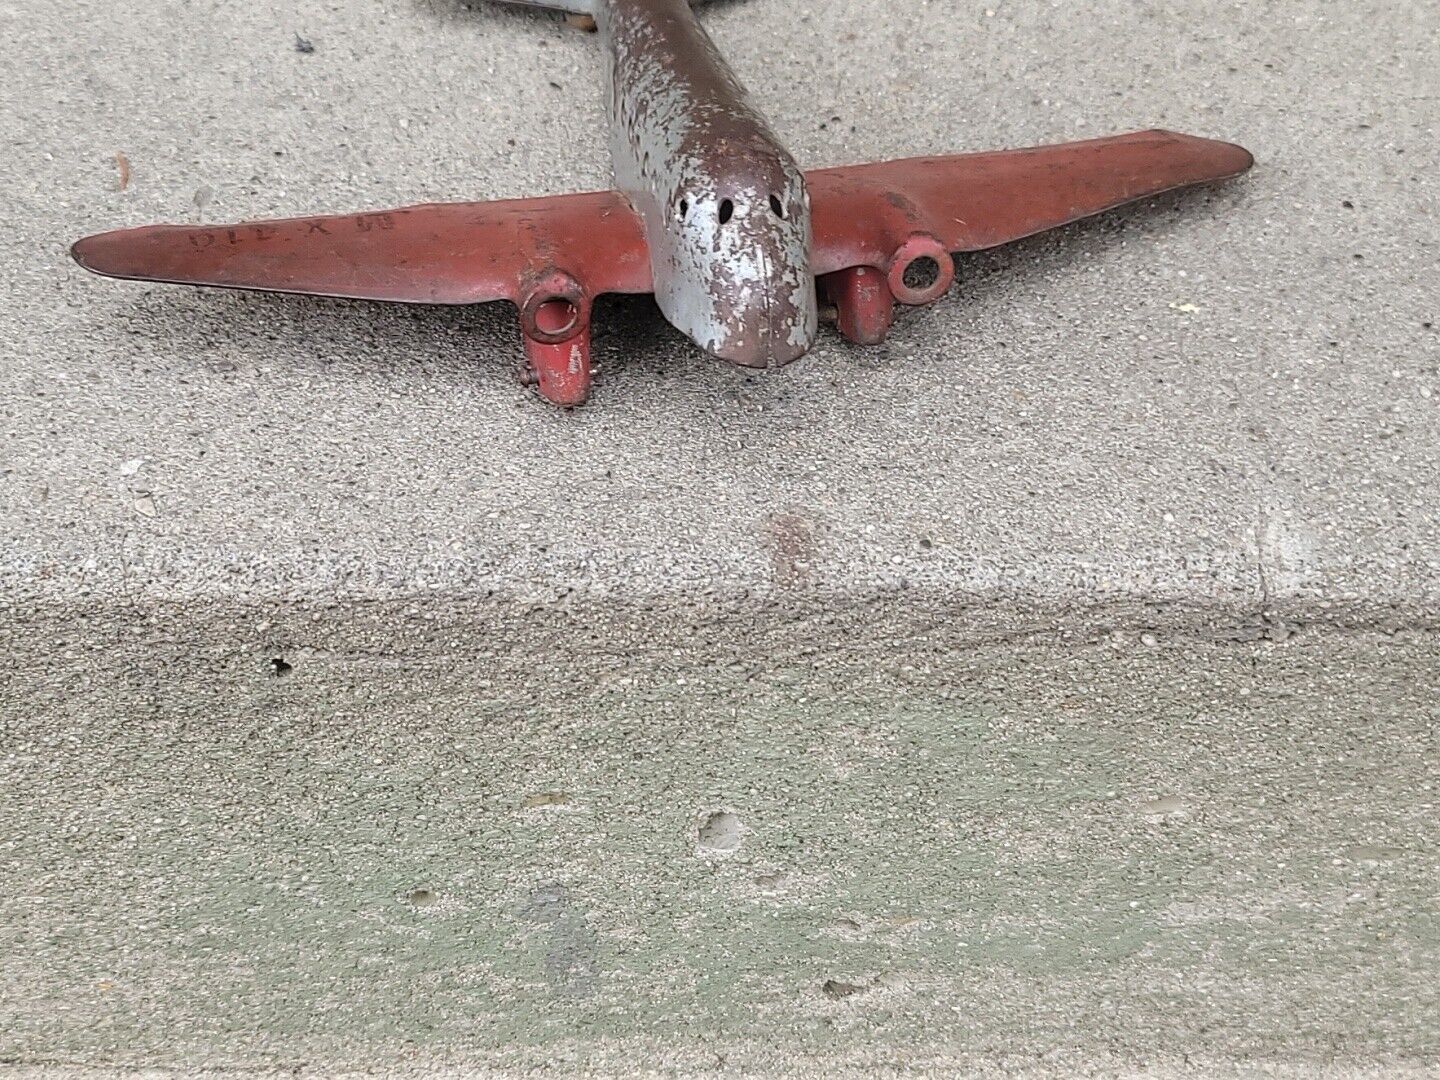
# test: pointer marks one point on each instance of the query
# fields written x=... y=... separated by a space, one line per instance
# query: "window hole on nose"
x=922 y=273
x=556 y=316
x=727 y=210
x=777 y=207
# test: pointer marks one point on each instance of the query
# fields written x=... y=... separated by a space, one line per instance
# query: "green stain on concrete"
x=363 y=871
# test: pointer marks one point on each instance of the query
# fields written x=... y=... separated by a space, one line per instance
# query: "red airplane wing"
x=553 y=256
x=460 y=253
x=465 y=253
x=862 y=214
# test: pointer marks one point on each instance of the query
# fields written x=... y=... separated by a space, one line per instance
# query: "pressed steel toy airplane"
x=711 y=215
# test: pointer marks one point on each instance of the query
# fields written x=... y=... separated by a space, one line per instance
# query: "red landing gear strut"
x=920 y=272
x=864 y=307
x=556 y=329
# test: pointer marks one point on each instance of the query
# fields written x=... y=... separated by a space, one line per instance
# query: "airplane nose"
x=776 y=324
x=761 y=358
x=761 y=339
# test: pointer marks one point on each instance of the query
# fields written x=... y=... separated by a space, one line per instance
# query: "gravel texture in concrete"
x=400 y=852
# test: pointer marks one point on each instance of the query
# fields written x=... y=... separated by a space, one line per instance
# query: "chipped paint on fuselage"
x=726 y=213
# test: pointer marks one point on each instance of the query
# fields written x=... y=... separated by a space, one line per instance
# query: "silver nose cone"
x=762 y=293
x=773 y=322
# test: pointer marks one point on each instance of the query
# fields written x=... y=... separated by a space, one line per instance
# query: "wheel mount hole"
x=556 y=316
x=922 y=274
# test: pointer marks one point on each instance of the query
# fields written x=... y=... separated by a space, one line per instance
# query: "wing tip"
x=104 y=253
x=1244 y=159
x=81 y=250
x=135 y=254
x=1223 y=160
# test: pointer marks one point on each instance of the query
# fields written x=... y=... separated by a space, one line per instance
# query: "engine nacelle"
x=921 y=270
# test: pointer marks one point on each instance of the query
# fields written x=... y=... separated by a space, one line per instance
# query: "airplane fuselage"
x=725 y=209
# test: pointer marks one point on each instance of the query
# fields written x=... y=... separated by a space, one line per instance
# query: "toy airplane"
x=711 y=215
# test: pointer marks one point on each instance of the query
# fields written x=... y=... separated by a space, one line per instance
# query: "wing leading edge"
x=457 y=253
x=971 y=202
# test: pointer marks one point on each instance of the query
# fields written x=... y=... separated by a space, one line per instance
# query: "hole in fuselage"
x=777 y=207
x=556 y=316
x=922 y=273
x=727 y=210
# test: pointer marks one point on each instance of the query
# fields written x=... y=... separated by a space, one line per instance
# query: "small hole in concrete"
x=421 y=897
x=722 y=831
x=922 y=273
x=547 y=798
x=727 y=211
x=835 y=989
x=777 y=207
x=279 y=668
x=1370 y=853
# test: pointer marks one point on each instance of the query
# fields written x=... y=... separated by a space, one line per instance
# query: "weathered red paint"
x=453 y=253
x=864 y=305
x=552 y=256
x=560 y=371
x=970 y=202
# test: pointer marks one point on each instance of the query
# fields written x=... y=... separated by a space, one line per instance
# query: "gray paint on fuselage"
x=684 y=141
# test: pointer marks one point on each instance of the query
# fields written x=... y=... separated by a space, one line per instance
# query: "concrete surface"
x=1050 y=690
x=1072 y=859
